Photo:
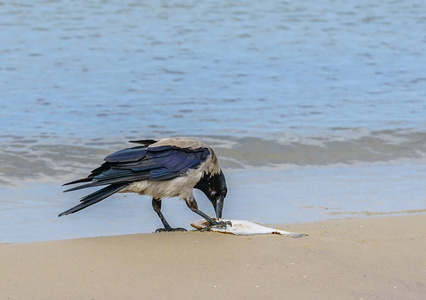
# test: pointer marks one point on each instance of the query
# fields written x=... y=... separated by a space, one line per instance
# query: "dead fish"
x=242 y=227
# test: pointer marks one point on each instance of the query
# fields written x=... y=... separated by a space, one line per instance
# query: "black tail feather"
x=83 y=186
x=87 y=179
x=137 y=176
x=95 y=198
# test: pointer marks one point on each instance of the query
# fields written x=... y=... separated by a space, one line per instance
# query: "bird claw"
x=220 y=224
x=169 y=229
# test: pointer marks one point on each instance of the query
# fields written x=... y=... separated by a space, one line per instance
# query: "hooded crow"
x=170 y=167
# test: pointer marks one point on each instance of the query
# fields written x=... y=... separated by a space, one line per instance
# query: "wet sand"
x=374 y=258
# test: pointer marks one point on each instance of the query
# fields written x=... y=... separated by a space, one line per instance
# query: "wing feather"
x=144 y=163
x=127 y=155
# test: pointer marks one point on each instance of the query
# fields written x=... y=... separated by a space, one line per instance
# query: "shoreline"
x=380 y=257
x=263 y=196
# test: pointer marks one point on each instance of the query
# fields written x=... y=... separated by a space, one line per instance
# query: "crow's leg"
x=156 y=205
x=192 y=204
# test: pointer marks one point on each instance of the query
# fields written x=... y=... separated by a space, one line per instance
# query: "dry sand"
x=375 y=258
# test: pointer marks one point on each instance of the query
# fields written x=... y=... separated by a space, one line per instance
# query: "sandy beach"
x=373 y=258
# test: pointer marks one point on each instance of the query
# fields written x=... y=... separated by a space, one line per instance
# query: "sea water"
x=316 y=110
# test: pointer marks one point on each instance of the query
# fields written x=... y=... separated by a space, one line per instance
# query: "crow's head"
x=214 y=187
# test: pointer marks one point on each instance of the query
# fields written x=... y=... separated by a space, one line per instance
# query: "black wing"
x=143 y=163
x=134 y=164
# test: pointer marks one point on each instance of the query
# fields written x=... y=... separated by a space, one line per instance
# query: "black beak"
x=219 y=207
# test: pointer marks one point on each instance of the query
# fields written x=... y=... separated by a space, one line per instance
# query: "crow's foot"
x=228 y=223
x=220 y=224
x=168 y=229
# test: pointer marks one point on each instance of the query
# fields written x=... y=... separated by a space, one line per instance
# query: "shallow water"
x=268 y=196
x=290 y=93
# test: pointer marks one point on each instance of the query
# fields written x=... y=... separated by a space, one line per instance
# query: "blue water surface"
x=99 y=68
